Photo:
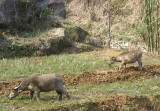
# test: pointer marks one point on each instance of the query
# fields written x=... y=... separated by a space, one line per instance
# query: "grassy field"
x=61 y=64
x=82 y=97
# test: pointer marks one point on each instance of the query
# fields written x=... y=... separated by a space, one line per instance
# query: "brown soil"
x=117 y=103
x=97 y=77
x=112 y=75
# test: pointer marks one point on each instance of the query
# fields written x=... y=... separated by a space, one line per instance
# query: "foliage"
x=117 y=7
x=67 y=22
x=18 y=51
x=120 y=37
x=151 y=18
x=112 y=8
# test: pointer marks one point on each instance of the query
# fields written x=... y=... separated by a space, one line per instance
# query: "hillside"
x=124 y=28
x=85 y=20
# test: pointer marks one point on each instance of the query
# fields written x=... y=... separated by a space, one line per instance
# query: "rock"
x=56 y=18
x=8 y=7
x=96 y=43
x=76 y=33
x=56 y=40
x=56 y=5
x=6 y=12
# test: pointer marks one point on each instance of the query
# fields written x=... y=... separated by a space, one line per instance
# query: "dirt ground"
x=97 y=77
x=112 y=75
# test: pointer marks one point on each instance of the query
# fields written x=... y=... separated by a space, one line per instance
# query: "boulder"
x=76 y=33
x=55 y=40
x=6 y=12
x=56 y=5
x=8 y=7
x=56 y=18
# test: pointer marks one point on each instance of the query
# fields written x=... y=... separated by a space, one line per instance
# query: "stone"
x=56 y=40
x=57 y=5
x=6 y=12
x=8 y=9
x=77 y=33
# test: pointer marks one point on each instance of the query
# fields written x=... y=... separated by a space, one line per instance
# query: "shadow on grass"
x=10 y=49
x=14 y=51
x=45 y=98
x=31 y=50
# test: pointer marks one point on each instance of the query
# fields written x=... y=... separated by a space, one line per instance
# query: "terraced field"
x=99 y=89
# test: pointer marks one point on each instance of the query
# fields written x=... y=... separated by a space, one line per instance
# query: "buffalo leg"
x=140 y=64
x=37 y=92
x=60 y=95
x=124 y=64
x=31 y=94
x=121 y=66
x=66 y=93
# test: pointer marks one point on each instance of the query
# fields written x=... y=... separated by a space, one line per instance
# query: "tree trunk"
x=158 y=48
x=108 y=38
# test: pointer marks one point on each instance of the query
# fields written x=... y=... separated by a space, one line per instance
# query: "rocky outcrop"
x=6 y=11
x=56 y=5
x=8 y=7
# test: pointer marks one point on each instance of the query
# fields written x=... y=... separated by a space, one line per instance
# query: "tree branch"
x=103 y=6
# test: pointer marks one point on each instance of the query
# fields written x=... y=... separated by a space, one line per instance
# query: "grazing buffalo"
x=40 y=83
x=128 y=57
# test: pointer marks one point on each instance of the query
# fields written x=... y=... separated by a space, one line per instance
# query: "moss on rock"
x=76 y=33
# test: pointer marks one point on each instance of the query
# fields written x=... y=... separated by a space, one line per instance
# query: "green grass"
x=144 y=87
x=3 y=108
x=62 y=64
x=88 y=93
x=82 y=97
